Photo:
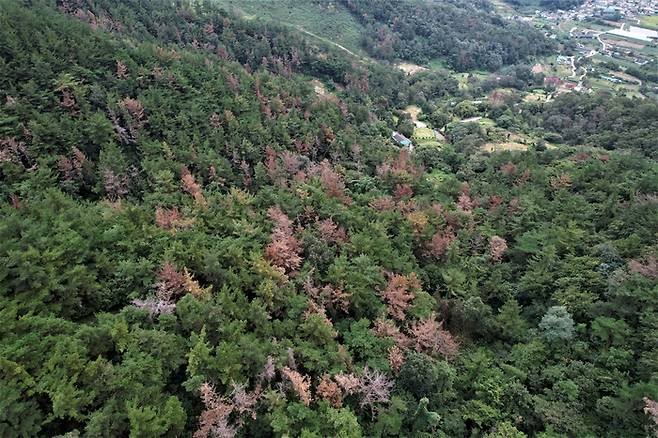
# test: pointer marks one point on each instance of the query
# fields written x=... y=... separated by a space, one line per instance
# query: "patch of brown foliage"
x=430 y=338
x=301 y=384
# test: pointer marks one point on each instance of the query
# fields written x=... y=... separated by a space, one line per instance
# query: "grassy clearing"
x=333 y=22
x=414 y=111
x=424 y=134
x=411 y=69
x=628 y=90
x=507 y=146
x=650 y=21
x=536 y=96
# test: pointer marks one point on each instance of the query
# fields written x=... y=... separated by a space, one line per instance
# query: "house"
x=402 y=140
x=611 y=79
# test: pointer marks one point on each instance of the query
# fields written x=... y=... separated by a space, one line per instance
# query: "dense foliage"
x=466 y=33
x=195 y=240
x=604 y=121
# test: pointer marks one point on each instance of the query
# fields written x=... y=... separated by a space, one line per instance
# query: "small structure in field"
x=402 y=140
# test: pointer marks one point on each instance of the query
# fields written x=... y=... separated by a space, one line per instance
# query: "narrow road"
x=598 y=37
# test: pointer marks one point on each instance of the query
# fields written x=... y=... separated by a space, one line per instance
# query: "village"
x=604 y=45
x=606 y=9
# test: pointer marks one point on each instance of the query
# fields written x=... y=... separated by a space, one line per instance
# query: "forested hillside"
x=325 y=19
x=205 y=230
x=467 y=34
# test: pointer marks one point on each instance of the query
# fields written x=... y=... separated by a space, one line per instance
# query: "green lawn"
x=422 y=133
x=332 y=22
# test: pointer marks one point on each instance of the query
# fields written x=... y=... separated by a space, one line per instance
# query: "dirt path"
x=345 y=49
x=598 y=37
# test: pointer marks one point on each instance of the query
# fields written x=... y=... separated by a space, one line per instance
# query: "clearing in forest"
x=504 y=146
x=411 y=69
x=414 y=111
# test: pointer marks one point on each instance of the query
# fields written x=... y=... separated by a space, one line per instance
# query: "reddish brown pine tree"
x=514 y=206
x=561 y=182
x=172 y=219
x=399 y=293
x=214 y=419
x=329 y=390
x=648 y=268
x=191 y=186
x=134 y=108
x=330 y=232
x=331 y=181
x=170 y=283
x=349 y=383
x=271 y=165
x=524 y=178
x=283 y=249
x=440 y=243
x=403 y=191
x=68 y=101
x=497 y=248
x=495 y=202
x=465 y=203
x=301 y=384
x=384 y=328
x=432 y=339
x=244 y=401
x=315 y=309
x=383 y=203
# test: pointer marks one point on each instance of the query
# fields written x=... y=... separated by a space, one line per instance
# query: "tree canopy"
x=197 y=239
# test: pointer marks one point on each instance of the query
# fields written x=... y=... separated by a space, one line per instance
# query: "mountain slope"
x=207 y=231
x=329 y=20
